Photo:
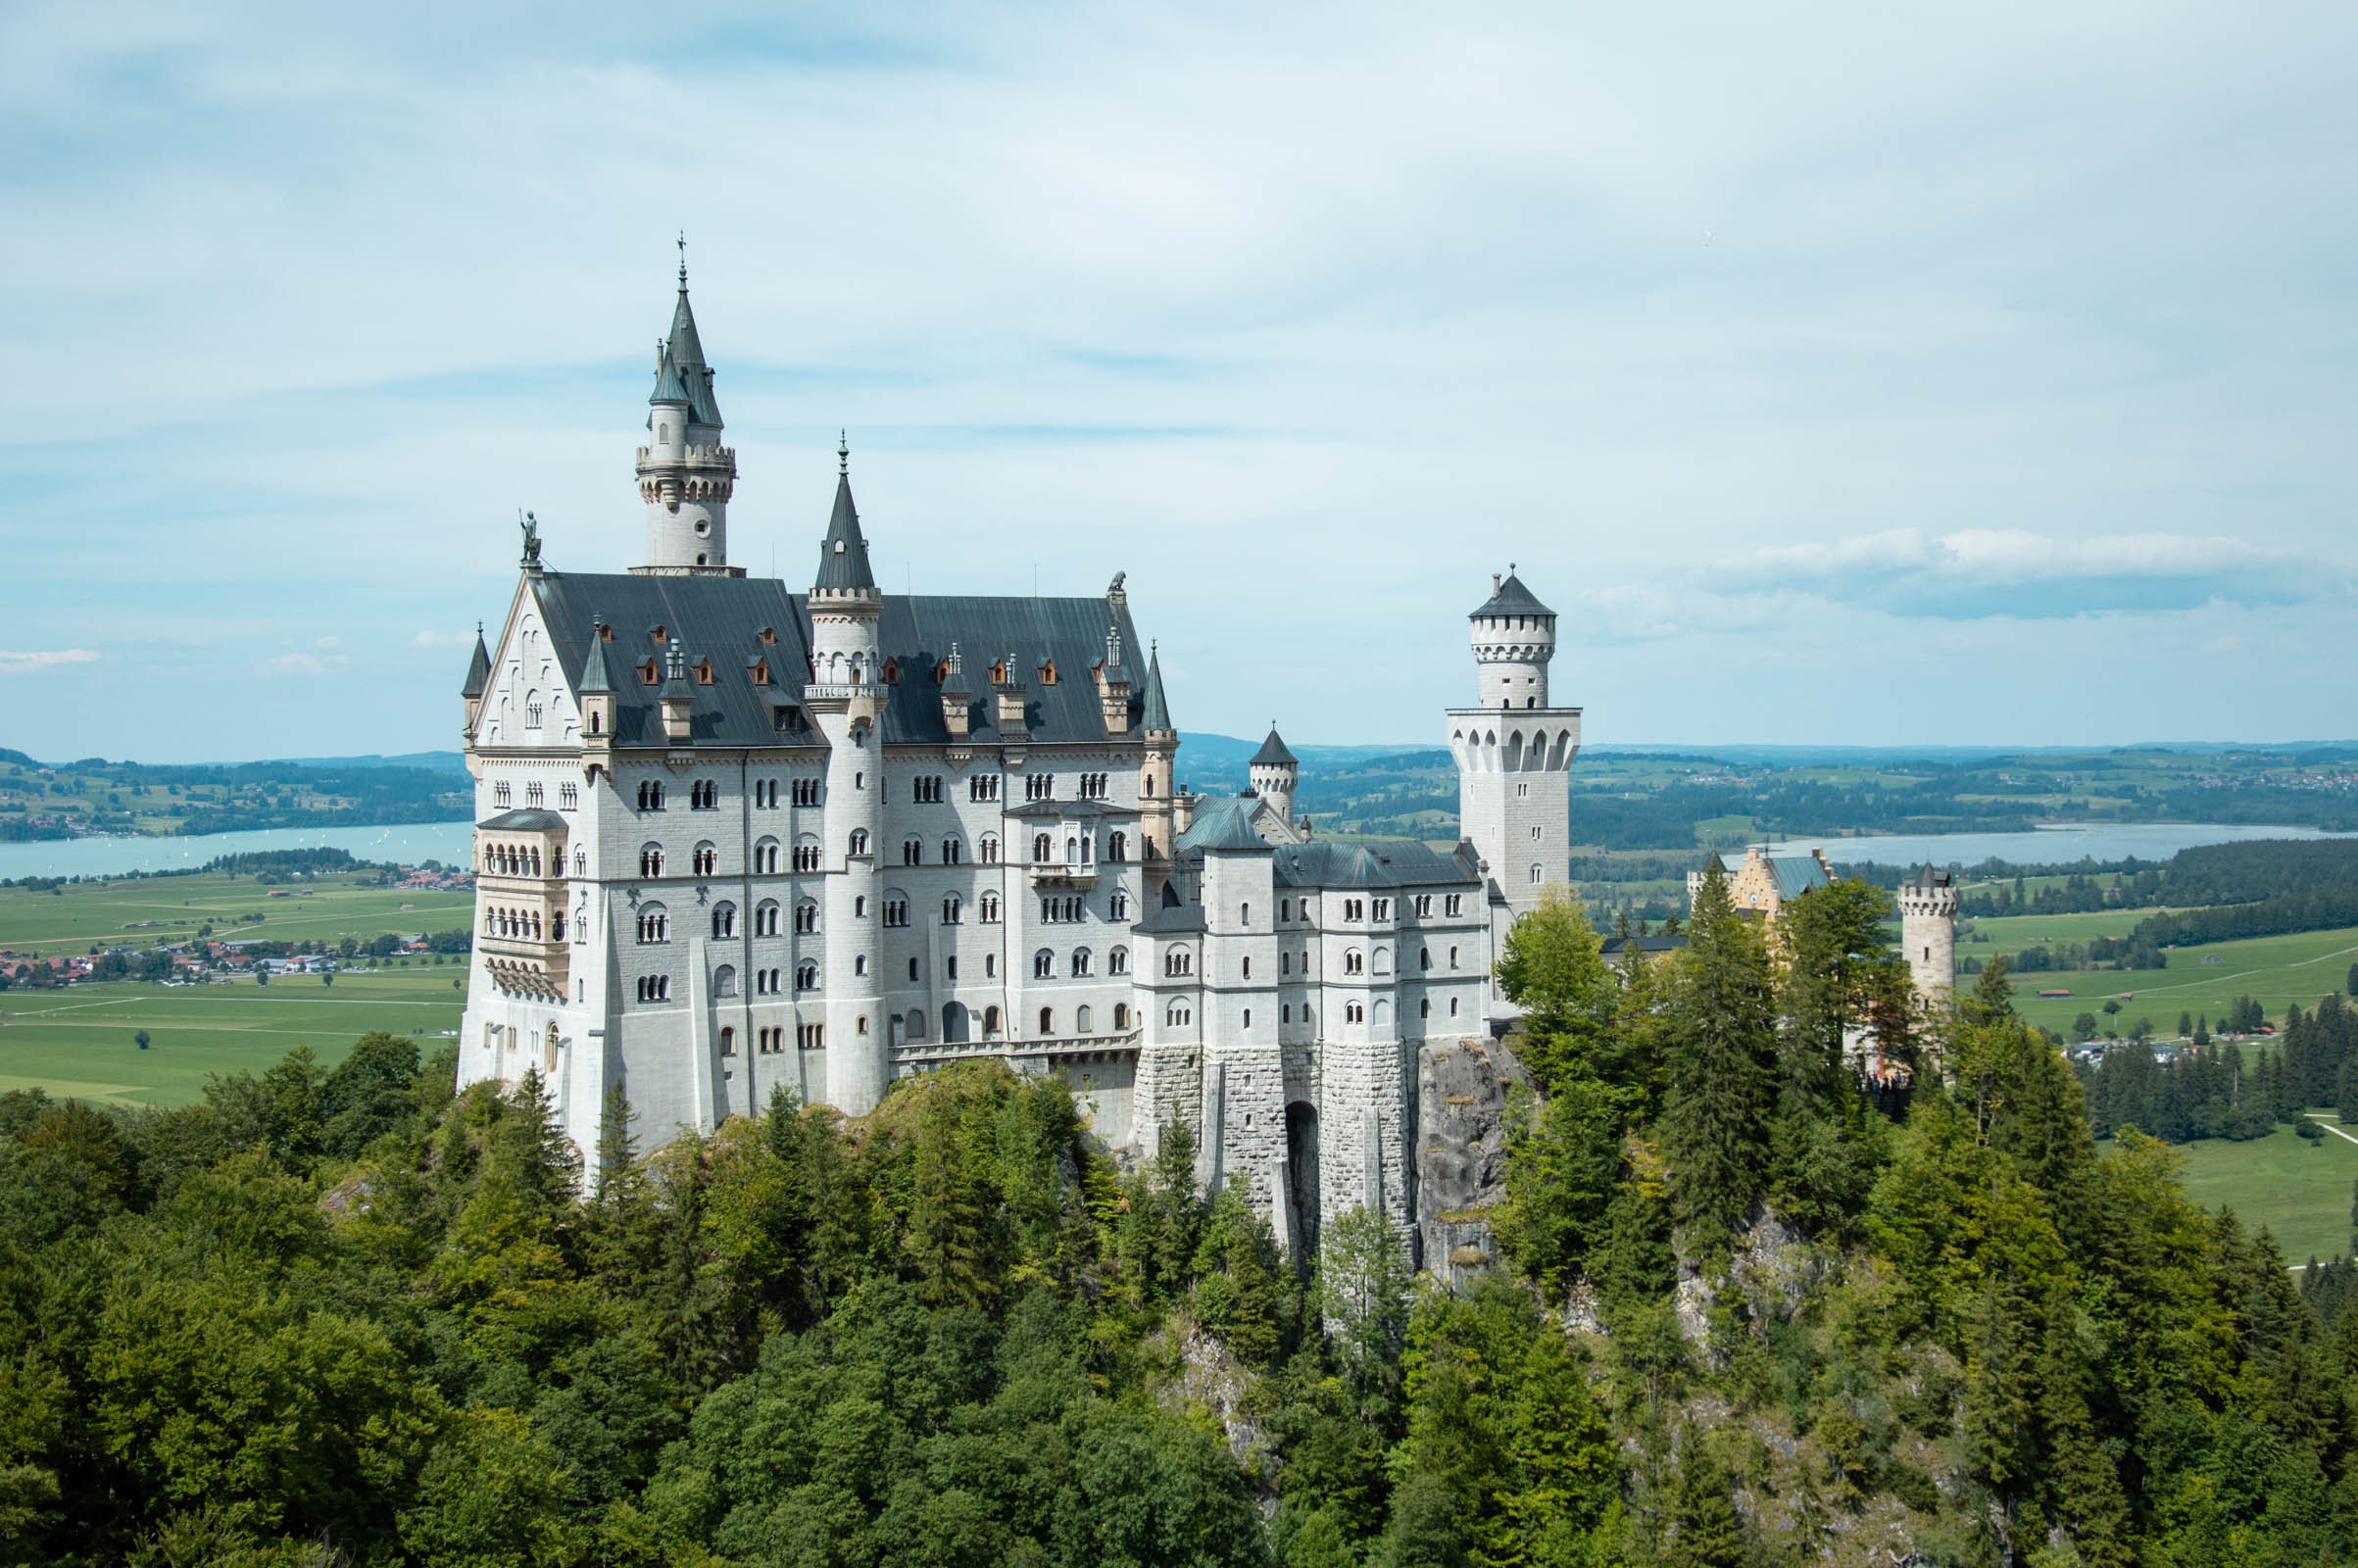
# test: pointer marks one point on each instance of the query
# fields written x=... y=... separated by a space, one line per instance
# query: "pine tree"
x=1704 y=1530
x=1723 y=1070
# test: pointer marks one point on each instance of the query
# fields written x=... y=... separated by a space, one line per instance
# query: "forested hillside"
x=1749 y=1310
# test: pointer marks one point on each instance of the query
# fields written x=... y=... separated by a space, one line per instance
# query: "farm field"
x=2299 y=1190
x=78 y=1041
x=79 y=914
x=2011 y=933
x=2274 y=970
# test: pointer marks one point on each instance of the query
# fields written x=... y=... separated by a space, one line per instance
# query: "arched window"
x=953 y=852
x=725 y=920
x=728 y=1041
x=1534 y=876
x=805 y=853
x=1424 y=1008
x=1048 y=1020
x=1176 y=1013
x=1452 y=1006
x=765 y=856
x=1044 y=965
x=1424 y=958
x=916 y=1023
x=806 y=976
x=654 y=924
x=1121 y=1017
x=1041 y=848
x=913 y=851
x=859 y=841
x=1243 y=914
x=766 y=919
x=1080 y=1020
x=1248 y=968
x=1117 y=848
x=990 y=1022
x=1354 y=963
x=953 y=910
x=1352 y=1012
x=859 y=964
x=1080 y=961
x=724 y=983
x=651 y=860
x=548 y=1060
x=1383 y=961
x=1118 y=961
x=1178 y=961
x=706 y=858
x=805 y=917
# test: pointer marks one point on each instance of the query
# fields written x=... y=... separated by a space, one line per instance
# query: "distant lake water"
x=451 y=843
x=2047 y=846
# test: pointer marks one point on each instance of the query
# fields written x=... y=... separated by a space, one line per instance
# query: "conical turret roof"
x=1511 y=598
x=1156 y=713
x=669 y=387
x=1274 y=752
x=478 y=668
x=681 y=375
x=843 y=555
x=596 y=677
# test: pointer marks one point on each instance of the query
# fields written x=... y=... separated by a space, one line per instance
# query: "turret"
x=1514 y=638
x=1157 y=786
x=1272 y=772
x=597 y=694
x=685 y=474
x=1927 y=933
x=478 y=678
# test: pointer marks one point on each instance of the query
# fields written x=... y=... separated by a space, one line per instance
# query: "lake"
x=451 y=843
x=2047 y=846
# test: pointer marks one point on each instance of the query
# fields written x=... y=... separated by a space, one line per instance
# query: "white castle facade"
x=732 y=837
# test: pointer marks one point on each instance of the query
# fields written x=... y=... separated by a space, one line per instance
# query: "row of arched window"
x=1079 y=963
x=523 y=925
x=512 y=859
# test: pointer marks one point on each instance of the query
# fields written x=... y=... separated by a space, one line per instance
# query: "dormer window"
x=649 y=674
x=760 y=673
x=660 y=635
x=704 y=672
x=892 y=673
x=941 y=673
x=769 y=634
x=1047 y=672
x=999 y=674
x=605 y=633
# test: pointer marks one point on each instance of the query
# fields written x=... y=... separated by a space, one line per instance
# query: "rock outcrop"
x=1461 y=1108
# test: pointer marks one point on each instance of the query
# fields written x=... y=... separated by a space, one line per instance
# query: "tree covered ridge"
x=1755 y=1312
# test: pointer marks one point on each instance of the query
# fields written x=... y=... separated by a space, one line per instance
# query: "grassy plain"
x=146 y=910
x=2012 y=933
x=2299 y=1189
x=2274 y=970
x=79 y=1041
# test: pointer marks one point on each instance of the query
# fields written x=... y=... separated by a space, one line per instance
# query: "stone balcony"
x=1061 y=874
x=531 y=966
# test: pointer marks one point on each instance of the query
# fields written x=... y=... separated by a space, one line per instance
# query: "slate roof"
x=1156 y=713
x=1171 y=919
x=843 y=555
x=1511 y=598
x=669 y=387
x=478 y=668
x=721 y=618
x=1375 y=863
x=1274 y=752
x=597 y=676
x=1225 y=823
x=685 y=351
x=1793 y=875
x=526 y=820
x=1928 y=878
x=1073 y=810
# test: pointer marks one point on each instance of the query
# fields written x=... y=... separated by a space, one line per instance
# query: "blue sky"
x=1866 y=375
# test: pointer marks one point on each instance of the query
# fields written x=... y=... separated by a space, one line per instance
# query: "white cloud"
x=441 y=639
x=330 y=642
x=26 y=663
x=301 y=663
x=1975 y=574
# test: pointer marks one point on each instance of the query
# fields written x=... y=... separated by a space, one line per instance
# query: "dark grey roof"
x=596 y=674
x=1156 y=713
x=669 y=387
x=1274 y=752
x=843 y=555
x=1511 y=598
x=1222 y=824
x=722 y=618
x=675 y=671
x=478 y=668
x=1374 y=863
x=1073 y=810
x=528 y=819
x=1171 y=919
x=1928 y=878
x=685 y=350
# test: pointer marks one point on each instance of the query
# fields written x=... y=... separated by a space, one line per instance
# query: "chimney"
x=1493 y=585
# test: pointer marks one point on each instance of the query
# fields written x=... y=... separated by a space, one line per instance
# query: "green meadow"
x=82 y=1041
x=2276 y=970
x=2299 y=1189
x=147 y=911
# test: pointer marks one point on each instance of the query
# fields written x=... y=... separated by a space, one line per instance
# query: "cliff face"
x=1461 y=1152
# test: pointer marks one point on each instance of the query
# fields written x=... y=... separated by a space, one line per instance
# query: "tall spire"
x=843 y=555
x=596 y=675
x=682 y=360
x=1156 y=713
x=478 y=668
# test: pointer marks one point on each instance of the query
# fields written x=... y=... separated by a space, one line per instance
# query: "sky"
x=1853 y=373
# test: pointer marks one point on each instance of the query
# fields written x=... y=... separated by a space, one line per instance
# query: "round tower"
x=1513 y=636
x=844 y=699
x=1927 y=933
x=685 y=474
x=1273 y=772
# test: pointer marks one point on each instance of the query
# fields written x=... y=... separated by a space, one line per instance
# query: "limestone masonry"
x=731 y=836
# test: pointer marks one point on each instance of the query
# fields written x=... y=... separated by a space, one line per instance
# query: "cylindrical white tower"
x=845 y=700
x=1927 y=933
x=1273 y=772
x=1513 y=637
x=685 y=474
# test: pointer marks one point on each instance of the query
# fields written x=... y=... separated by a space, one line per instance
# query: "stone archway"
x=953 y=1024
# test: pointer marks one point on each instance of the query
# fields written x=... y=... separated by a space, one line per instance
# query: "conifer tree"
x=1721 y=1038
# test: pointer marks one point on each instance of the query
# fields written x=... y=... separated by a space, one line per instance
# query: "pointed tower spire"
x=596 y=675
x=1157 y=711
x=843 y=555
x=685 y=474
x=478 y=668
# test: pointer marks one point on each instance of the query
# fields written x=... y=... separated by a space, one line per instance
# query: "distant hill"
x=430 y=762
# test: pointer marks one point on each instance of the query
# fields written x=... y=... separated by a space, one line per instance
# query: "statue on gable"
x=531 y=526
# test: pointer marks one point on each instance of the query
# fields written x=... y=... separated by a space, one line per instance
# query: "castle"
x=731 y=837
